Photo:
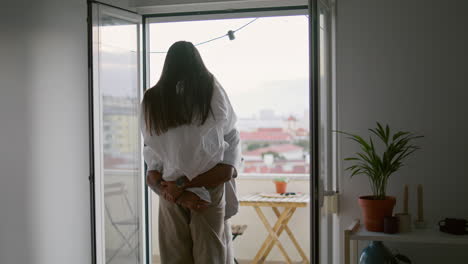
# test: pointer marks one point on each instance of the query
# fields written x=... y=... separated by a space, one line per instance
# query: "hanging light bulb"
x=231 y=35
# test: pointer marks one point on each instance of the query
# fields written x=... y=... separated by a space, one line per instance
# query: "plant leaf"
x=376 y=165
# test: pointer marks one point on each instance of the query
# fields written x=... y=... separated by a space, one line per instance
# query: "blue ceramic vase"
x=377 y=253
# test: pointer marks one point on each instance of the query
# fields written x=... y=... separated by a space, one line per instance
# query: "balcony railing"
x=270 y=176
x=241 y=176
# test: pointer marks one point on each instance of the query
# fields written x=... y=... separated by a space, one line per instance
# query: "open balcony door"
x=324 y=202
x=117 y=182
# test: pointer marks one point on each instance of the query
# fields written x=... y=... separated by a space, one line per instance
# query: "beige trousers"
x=189 y=237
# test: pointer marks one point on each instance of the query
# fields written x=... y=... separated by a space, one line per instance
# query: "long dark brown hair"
x=183 y=93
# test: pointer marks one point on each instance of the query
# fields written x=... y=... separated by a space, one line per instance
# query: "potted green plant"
x=378 y=166
x=281 y=183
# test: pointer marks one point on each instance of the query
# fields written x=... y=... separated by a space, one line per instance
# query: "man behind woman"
x=192 y=151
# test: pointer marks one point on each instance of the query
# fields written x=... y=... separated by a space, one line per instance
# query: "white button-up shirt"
x=191 y=150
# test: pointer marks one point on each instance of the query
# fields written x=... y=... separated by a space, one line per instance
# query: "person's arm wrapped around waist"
x=154 y=170
x=154 y=180
x=224 y=171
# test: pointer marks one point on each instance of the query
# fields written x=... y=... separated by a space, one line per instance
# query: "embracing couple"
x=192 y=152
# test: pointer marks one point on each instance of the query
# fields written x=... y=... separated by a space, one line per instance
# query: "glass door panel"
x=118 y=165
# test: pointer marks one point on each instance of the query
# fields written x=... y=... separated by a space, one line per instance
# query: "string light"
x=229 y=34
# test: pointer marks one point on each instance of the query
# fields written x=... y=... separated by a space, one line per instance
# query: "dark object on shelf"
x=288 y=193
x=402 y=258
x=377 y=253
x=454 y=226
x=390 y=225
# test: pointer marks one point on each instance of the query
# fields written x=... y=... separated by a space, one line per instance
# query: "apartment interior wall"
x=44 y=189
x=404 y=63
x=14 y=145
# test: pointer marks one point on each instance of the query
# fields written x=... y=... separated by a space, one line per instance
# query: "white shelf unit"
x=356 y=232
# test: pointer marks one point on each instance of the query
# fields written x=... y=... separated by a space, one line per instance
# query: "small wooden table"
x=290 y=205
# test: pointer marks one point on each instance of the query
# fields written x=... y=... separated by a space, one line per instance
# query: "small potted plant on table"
x=281 y=184
x=378 y=166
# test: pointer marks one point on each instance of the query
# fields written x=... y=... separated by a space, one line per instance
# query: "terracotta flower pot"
x=281 y=186
x=374 y=211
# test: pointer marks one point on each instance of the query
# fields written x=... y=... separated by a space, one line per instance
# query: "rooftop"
x=282 y=148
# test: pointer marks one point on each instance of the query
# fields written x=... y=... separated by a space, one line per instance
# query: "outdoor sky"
x=265 y=67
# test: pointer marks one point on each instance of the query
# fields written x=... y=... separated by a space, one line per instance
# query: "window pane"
x=264 y=70
x=121 y=161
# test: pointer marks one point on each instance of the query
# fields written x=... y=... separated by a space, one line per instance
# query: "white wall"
x=44 y=191
x=404 y=63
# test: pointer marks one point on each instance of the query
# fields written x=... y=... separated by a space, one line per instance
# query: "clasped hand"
x=187 y=199
x=170 y=191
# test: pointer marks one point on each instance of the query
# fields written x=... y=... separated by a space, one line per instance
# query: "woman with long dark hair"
x=192 y=151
